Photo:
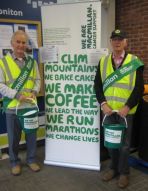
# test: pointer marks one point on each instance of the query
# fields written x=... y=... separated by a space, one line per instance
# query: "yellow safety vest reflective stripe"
x=118 y=94
x=12 y=71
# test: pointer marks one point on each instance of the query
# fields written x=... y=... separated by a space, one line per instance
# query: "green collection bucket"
x=113 y=134
x=28 y=117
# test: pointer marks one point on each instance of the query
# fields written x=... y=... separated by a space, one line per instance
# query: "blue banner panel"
x=23 y=10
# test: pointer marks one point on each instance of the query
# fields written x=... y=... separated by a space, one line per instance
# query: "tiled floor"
x=52 y=178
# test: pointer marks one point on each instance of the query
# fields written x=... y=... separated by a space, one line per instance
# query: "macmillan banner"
x=71 y=53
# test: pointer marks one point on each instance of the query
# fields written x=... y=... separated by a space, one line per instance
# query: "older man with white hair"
x=15 y=88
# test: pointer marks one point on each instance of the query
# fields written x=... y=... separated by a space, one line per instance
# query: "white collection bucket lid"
x=30 y=112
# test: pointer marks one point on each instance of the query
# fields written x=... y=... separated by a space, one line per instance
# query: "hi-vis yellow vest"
x=12 y=71
x=118 y=94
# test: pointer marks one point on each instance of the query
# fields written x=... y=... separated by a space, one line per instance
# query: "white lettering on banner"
x=11 y=12
x=21 y=80
x=126 y=69
x=108 y=81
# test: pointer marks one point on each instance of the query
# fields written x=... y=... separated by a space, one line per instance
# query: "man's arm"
x=4 y=89
x=37 y=84
x=138 y=90
x=98 y=86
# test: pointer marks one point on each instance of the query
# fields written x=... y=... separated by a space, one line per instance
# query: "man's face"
x=118 y=44
x=19 y=44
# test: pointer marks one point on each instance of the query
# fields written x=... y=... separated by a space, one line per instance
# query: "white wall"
x=108 y=22
x=107 y=19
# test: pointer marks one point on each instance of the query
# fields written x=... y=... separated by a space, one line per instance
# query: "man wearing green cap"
x=119 y=87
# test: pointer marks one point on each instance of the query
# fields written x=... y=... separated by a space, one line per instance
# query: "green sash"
x=20 y=81
x=121 y=72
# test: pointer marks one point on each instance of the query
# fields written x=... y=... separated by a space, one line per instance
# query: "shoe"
x=123 y=181
x=34 y=167
x=109 y=175
x=16 y=170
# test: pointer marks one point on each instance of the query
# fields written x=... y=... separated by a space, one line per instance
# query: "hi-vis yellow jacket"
x=12 y=71
x=118 y=94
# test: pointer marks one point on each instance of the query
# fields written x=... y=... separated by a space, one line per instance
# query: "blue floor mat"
x=138 y=164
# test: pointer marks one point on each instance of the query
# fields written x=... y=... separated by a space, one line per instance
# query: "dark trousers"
x=119 y=157
x=14 y=136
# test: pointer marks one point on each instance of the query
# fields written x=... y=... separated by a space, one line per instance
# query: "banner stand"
x=71 y=109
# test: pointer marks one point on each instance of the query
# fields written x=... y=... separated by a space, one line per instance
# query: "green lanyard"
x=121 y=72
x=20 y=81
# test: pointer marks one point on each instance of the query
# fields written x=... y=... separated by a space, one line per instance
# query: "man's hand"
x=23 y=98
x=32 y=96
x=124 y=111
x=107 y=110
